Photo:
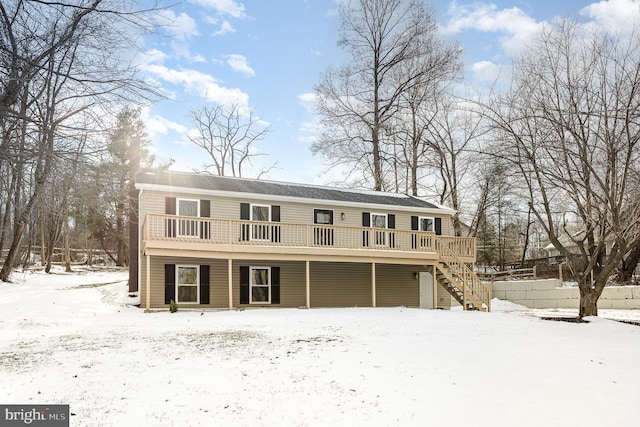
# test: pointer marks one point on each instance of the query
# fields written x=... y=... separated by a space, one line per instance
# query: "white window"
x=187 y=284
x=426 y=224
x=260 y=213
x=323 y=216
x=188 y=227
x=379 y=221
x=260 y=285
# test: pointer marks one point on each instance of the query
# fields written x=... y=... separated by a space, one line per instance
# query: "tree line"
x=549 y=155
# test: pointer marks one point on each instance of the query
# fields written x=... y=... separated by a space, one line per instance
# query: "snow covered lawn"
x=77 y=339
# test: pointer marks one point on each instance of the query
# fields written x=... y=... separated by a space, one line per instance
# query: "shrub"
x=173 y=306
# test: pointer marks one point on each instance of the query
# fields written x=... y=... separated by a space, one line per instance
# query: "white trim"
x=377 y=234
x=251 y=284
x=433 y=222
x=333 y=216
x=260 y=205
x=276 y=198
x=197 y=285
x=184 y=223
x=261 y=228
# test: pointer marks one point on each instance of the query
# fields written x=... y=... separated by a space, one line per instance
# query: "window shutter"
x=204 y=284
x=438 y=226
x=205 y=208
x=366 y=222
x=244 y=285
x=245 y=215
x=414 y=222
x=366 y=219
x=244 y=211
x=169 y=283
x=170 y=205
x=391 y=221
x=275 y=213
x=414 y=227
x=275 y=285
x=275 y=229
x=170 y=223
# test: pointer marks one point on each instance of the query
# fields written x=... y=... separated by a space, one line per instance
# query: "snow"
x=78 y=339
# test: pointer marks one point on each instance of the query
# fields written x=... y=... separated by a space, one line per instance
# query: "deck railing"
x=253 y=233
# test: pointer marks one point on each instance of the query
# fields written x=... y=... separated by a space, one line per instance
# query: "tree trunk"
x=588 y=303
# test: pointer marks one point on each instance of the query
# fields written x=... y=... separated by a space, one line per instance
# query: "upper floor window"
x=379 y=220
x=260 y=213
x=323 y=216
x=426 y=224
x=188 y=207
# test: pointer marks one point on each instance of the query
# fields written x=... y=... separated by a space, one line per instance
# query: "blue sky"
x=267 y=55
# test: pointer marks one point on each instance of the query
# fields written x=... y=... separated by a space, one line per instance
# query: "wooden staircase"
x=461 y=281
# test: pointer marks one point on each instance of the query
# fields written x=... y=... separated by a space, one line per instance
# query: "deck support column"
x=147 y=303
x=435 y=288
x=230 y=280
x=307 y=283
x=373 y=284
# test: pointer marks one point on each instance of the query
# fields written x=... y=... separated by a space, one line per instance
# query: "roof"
x=254 y=186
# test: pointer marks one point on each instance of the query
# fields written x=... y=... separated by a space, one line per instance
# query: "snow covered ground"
x=77 y=339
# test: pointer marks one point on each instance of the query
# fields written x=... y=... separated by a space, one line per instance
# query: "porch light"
x=342 y=216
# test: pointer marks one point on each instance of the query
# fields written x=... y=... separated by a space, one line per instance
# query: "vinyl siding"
x=332 y=284
x=298 y=213
x=218 y=287
x=396 y=285
x=292 y=283
x=340 y=284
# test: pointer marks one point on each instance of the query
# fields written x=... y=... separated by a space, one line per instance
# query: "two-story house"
x=218 y=242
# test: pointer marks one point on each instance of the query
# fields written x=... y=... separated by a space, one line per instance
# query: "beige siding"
x=340 y=284
x=298 y=213
x=444 y=297
x=292 y=282
x=218 y=287
x=396 y=285
x=331 y=284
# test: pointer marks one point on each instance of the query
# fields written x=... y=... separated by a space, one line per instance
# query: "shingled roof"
x=255 y=186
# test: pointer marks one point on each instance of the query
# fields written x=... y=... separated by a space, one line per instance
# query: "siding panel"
x=396 y=285
x=340 y=284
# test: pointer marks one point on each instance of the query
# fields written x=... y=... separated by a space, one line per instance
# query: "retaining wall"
x=549 y=293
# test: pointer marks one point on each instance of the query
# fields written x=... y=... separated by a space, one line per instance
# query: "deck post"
x=307 y=284
x=230 y=280
x=147 y=304
x=373 y=284
x=435 y=287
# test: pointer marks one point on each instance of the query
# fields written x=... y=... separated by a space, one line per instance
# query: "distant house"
x=218 y=242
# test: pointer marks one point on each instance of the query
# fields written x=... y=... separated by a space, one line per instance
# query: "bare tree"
x=570 y=125
x=394 y=49
x=58 y=60
x=228 y=135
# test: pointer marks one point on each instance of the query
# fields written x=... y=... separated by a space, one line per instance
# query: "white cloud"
x=154 y=56
x=223 y=7
x=613 y=15
x=485 y=71
x=518 y=27
x=204 y=85
x=307 y=100
x=225 y=28
x=239 y=63
x=181 y=27
x=158 y=125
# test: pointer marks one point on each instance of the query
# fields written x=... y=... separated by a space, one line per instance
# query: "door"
x=426 y=290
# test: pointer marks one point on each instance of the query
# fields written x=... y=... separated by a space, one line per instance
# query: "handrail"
x=243 y=232
x=472 y=286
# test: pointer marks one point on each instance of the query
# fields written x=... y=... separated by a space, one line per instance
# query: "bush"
x=173 y=306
